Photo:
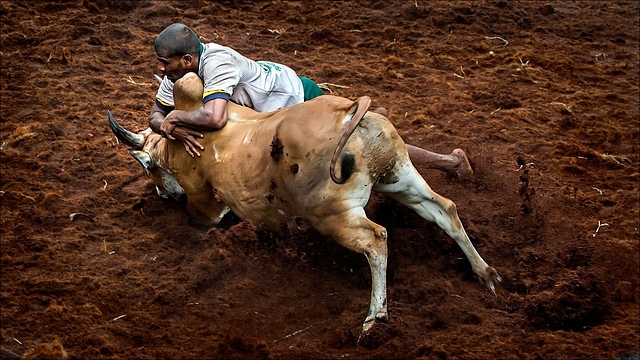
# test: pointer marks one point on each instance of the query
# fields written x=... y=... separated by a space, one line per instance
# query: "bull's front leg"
x=354 y=231
x=205 y=208
x=208 y=216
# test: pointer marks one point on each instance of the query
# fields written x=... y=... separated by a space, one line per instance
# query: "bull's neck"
x=159 y=150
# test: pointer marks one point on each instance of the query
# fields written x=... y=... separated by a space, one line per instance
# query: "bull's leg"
x=354 y=231
x=208 y=215
x=413 y=191
x=203 y=207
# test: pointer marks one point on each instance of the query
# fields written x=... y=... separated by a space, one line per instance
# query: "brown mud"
x=543 y=97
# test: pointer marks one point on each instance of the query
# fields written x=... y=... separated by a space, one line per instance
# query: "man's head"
x=177 y=48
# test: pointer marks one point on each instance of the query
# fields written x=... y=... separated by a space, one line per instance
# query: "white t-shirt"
x=261 y=85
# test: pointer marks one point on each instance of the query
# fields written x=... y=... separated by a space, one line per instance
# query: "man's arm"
x=184 y=125
x=212 y=116
x=156 y=118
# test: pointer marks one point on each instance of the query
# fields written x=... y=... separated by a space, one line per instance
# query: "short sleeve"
x=220 y=76
x=164 y=97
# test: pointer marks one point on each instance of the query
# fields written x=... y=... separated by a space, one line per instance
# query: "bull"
x=282 y=167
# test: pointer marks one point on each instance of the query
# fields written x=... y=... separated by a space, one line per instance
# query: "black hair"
x=177 y=39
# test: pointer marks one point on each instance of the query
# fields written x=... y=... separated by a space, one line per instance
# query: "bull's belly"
x=263 y=215
x=296 y=208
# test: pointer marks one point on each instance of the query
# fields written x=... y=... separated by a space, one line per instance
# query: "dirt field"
x=544 y=98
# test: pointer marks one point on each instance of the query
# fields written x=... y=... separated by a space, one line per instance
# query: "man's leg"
x=311 y=89
x=456 y=163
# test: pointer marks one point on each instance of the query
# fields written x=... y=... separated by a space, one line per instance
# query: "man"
x=260 y=85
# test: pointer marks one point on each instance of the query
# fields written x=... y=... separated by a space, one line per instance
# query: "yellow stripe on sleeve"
x=163 y=102
x=207 y=93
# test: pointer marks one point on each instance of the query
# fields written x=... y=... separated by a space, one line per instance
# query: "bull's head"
x=166 y=184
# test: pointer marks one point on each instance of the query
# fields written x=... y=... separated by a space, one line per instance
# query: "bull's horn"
x=158 y=78
x=134 y=140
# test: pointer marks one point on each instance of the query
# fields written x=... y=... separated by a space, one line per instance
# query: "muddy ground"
x=542 y=96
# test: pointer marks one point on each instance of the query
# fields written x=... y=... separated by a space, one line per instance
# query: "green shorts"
x=311 y=89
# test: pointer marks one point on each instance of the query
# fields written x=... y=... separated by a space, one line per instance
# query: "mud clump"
x=576 y=304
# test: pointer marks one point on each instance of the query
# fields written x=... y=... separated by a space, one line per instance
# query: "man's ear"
x=187 y=59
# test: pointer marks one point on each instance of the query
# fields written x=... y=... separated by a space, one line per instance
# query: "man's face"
x=173 y=66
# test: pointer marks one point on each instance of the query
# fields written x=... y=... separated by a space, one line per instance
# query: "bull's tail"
x=357 y=111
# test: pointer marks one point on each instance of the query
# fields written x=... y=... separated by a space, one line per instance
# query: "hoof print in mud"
x=576 y=304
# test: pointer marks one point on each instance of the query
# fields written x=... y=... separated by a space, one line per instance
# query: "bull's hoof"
x=491 y=278
x=377 y=335
x=462 y=169
x=368 y=325
x=370 y=322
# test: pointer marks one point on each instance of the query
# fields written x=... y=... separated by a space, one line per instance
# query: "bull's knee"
x=381 y=234
x=377 y=244
x=448 y=205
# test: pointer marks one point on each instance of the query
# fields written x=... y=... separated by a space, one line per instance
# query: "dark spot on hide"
x=272 y=191
x=387 y=176
x=276 y=149
x=301 y=223
x=294 y=168
x=388 y=179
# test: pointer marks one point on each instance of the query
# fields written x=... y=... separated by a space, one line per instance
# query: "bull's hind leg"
x=354 y=231
x=413 y=191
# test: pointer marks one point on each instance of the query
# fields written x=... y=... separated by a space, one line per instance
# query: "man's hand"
x=189 y=138
x=184 y=125
x=168 y=125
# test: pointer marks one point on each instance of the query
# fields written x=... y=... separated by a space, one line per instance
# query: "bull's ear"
x=143 y=158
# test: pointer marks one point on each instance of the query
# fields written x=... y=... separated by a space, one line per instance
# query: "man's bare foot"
x=382 y=111
x=463 y=168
